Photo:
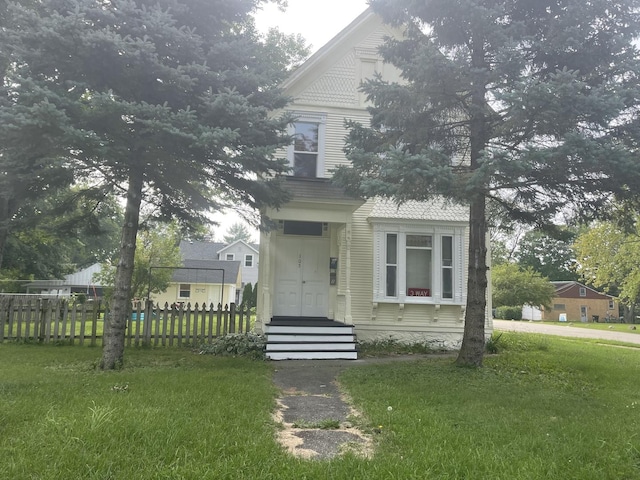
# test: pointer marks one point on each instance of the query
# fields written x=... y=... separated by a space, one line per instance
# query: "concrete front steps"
x=292 y=338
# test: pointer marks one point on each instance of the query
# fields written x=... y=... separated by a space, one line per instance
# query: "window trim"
x=246 y=257
x=309 y=117
x=230 y=257
x=437 y=232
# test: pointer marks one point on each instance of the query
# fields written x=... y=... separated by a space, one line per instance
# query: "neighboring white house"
x=247 y=255
x=382 y=269
x=81 y=282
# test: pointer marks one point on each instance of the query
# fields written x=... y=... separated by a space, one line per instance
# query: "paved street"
x=564 y=331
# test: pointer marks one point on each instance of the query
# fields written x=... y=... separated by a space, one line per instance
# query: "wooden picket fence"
x=55 y=320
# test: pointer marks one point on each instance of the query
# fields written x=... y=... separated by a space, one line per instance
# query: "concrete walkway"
x=311 y=398
x=565 y=331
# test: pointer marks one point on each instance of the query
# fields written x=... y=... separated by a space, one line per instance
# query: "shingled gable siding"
x=338 y=86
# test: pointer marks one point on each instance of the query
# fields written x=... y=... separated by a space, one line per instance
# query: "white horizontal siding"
x=361 y=265
x=335 y=138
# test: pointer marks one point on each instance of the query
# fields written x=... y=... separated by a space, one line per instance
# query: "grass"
x=544 y=407
x=616 y=327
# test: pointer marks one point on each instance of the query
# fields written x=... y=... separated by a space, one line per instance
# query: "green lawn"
x=617 y=327
x=542 y=408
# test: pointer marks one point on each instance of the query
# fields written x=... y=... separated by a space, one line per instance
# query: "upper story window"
x=418 y=264
x=583 y=292
x=306 y=154
x=248 y=260
x=230 y=256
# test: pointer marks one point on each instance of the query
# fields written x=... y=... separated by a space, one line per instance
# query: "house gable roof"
x=207 y=271
x=326 y=66
x=250 y=246
x=81 y=278
x=192 y=250
x=571 y=289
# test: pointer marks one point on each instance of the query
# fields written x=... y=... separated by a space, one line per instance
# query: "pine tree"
x=166 y=101
x=237 y=231
x=522 y=103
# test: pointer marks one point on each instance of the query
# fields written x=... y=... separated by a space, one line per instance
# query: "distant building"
x=81 y=282
x=579 y=303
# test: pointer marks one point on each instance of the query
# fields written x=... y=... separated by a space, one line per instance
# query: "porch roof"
x=318 y=189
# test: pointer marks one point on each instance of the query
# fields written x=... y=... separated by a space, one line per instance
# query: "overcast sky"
x=316 y=20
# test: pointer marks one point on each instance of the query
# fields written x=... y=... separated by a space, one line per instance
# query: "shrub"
x=236 y=345
x=247 y=296
x=493 y=345
x=509 y=313
x=390 y=346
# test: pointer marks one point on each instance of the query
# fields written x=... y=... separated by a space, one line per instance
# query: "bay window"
x=418 y=264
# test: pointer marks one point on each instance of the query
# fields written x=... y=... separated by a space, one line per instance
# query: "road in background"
x=564 y=331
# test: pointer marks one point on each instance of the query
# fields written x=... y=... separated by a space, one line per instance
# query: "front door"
x=301 y=276
x=583 y=313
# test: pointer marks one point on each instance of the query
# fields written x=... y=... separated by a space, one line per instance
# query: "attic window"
x=583 y=292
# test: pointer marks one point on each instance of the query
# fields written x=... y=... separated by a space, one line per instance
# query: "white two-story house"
x=372 y=269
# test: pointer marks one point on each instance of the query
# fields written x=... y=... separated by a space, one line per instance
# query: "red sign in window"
x=419 y=292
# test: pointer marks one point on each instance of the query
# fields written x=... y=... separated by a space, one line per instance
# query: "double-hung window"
x=306 y=154
x=418 y=264
x=184 y=291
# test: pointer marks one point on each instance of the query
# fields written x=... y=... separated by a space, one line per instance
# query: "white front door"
x=301 y=276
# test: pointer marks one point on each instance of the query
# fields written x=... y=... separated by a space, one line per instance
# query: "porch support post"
x=265 y=279
x=347 y=313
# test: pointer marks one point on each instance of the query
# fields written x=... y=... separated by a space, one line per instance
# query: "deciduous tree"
x=515 y=286
x=609 y=259
x=517 y=102
x=156 y=246
x=551 y=256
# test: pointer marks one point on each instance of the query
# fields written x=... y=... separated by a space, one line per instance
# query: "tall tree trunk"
x=4 y=227
x=472 y=349
x=7 y=210
x=115 y=326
